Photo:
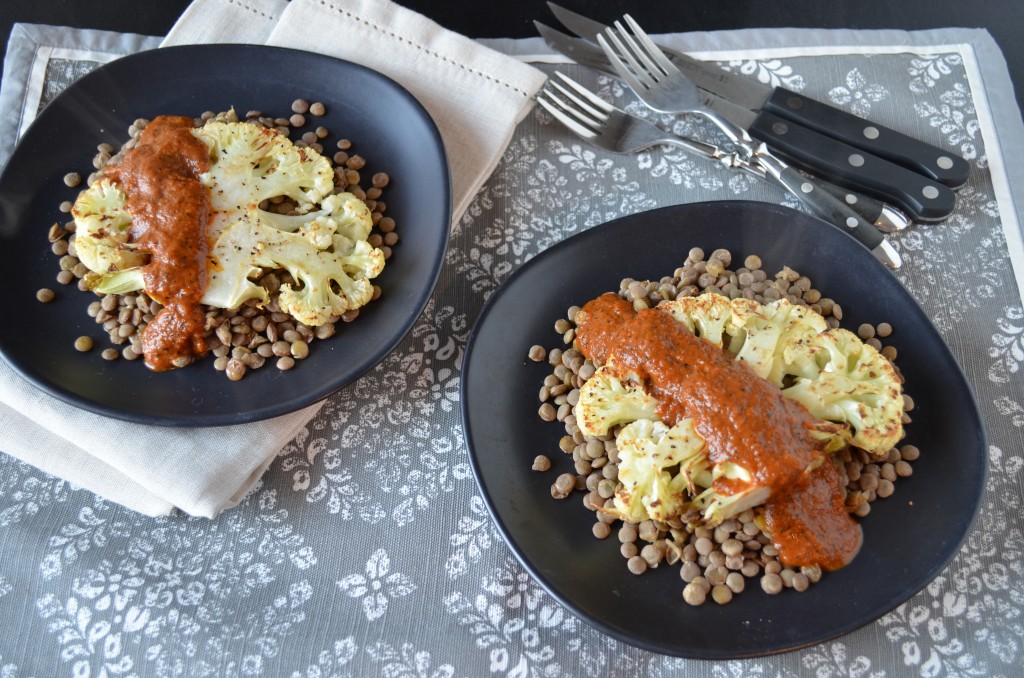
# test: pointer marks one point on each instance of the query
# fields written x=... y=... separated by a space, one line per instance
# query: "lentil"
x=694 y=594
x=636 y=565
x=721 y=594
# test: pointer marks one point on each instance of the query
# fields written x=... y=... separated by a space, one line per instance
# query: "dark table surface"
x=513 y=18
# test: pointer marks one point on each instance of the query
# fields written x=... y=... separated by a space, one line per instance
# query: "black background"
x=1004 y=19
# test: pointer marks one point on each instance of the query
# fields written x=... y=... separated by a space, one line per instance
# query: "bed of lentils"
x=715 y=562
x=248 y=337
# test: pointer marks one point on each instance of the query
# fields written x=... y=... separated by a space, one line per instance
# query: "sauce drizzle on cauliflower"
x=167 y=208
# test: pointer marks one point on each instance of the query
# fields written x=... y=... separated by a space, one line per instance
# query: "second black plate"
x=908 y=538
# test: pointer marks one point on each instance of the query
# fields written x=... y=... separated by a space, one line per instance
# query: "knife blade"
x=935 y=163
x=923 y=198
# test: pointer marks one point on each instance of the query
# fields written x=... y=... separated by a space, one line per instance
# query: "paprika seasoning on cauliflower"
x=722 y=406
x=322 y=245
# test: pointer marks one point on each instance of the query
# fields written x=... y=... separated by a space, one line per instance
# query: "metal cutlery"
x=821 y=143
x=659 y=84
x=610 y=128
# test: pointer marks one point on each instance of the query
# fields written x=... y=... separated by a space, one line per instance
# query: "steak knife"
x=935 y=163
x=924 y=199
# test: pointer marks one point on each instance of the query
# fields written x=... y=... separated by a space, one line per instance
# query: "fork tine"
x=652 y=50
x=565 y=115
x=640 y=51
x=630 y=76
x=597 y=102
x=583 y=111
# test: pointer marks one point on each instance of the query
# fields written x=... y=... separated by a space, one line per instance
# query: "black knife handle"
x=923 y=198
x=868 y=207
x=833 y=210
x=934 y=162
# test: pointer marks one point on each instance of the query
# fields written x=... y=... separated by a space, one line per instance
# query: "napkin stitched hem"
x=391 y=34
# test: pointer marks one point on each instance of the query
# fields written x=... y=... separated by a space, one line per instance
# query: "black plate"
x=908 y=538
x=386 y=125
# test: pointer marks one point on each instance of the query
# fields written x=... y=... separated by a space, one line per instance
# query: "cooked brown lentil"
x=714 y=562
x=125 y=316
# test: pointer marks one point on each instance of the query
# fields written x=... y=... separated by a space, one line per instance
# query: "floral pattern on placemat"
x=366 y=549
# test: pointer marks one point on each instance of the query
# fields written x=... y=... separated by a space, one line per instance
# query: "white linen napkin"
x=476 y=97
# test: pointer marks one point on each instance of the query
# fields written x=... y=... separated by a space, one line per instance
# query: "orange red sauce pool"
x=741 y=417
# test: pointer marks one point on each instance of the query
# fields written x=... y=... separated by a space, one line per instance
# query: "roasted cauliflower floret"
x=772 y=338
x=330 y=280
x=343 y=214
x=708 y=316
x=833 y=374
x=250 y=163
x=102 y=224
x=659 y=467
x=856 y=385
x=608 y=399
x=732 y=491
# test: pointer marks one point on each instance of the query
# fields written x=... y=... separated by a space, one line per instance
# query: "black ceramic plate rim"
x=333 y=381
x=632 y=636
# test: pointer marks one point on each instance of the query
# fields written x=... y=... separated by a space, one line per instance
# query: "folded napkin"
x=476 y=97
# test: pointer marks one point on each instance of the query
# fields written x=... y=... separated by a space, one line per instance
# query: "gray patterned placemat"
x=366 y=549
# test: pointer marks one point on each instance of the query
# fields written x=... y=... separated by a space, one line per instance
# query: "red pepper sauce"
x=170 y=209
x=742 y=418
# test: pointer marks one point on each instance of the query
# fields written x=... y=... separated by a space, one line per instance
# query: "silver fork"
x=612 y=129
x=659 y=83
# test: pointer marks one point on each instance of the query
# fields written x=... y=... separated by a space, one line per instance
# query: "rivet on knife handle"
x=944 y=167
x=839 y=214
x=886 y=218
x=923 y=198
